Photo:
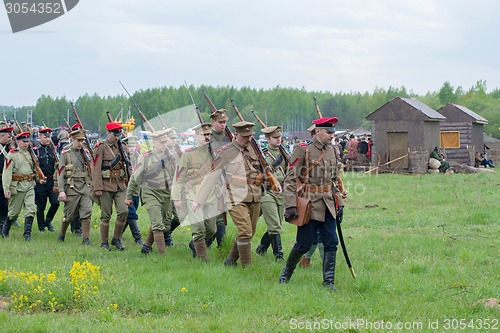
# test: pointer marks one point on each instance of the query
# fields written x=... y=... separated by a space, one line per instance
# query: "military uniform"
x=272 y=204
x=6 y=134
x=74 y=179
x=176 y=154
x=150 y=180
x=47 y=162
x=242 y=193
x=219 y=139
x=109 y=177
x=18 y=177
x=192 y=168
x=320 y=189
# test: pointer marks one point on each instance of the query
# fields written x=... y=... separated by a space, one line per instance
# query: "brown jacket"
x=321 y=177
x=104 y=178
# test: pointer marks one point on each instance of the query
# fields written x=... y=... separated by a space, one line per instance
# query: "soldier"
x=272 y=204
x=74 y=178
x=151 y=177
x=219 y=139
x=132 y=217
x=108 y=182
x=5 y=139
x=318 y=162
x=244 y=178
x=18 y=180
x=47 y=161
x=175 y=151
x=192 y=168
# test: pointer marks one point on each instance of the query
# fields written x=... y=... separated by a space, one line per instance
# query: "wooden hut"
x=461 y=134
x=402 y=128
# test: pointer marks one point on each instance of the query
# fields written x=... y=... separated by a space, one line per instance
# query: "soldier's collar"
x=318 y=144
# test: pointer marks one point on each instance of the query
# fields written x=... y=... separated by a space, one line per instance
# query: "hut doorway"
x=397 y=146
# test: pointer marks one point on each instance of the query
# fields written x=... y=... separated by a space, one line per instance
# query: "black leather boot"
x=28 y=224
x=134 y=229
x=329 y=270
x=6 y=228
x=167 y=235
x=191 y=246
x=220 y=233
x=265 y=241
x=276 y=245
x=48 y=224
x=290 y=265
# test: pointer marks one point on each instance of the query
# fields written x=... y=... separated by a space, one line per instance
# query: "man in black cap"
x=47 y=161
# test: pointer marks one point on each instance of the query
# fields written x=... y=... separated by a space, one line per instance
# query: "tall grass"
x=424 y=248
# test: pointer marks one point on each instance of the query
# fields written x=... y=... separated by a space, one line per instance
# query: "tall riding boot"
x=6 y=227
x=40 y=219
x=48 y=224
x=134 y=229
x=2 y=223
x=201 y=249
x=76 y=226
x=119 y=225
x=104 y=229
x=264 y=244
x=167 y=238
x=160 y=241
x=147 y=246
x=191 y=247
x=28 y=224
x=245 y=252
x=64 y=227
x=290 y=265
x=233 y=255
x=276 y=244
x=50 y=216
x=86 y=231
x=329 y=269
x=220 y=233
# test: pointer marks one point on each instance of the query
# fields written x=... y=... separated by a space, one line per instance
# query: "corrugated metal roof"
x=432 y=114
x=471 y=113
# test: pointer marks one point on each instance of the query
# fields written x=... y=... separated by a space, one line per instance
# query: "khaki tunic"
x=19 y=162
x=150 y=179
x=74 y=179
x=324 y=174
x=272 y=204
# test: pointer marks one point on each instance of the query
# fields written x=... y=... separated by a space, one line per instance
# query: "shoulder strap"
x=309 y=168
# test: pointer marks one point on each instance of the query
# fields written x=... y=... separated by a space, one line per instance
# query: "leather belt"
x=318 y=188
x=18 y=177
x=49 y=176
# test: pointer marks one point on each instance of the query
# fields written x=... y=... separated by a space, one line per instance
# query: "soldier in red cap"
x=316 y=161
x=47 y=160
x=18 y=180
x=108 y=182
x=5 y=139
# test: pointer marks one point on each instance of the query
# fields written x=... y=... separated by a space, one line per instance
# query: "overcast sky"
x=328 y=45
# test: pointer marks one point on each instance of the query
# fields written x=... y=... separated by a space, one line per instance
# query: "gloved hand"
x=291 y=213
x=340 y=214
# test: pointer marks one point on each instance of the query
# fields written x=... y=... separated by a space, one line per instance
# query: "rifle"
x=52 y=148
x=282 y=149
x=276 y=187
x=123 y=154
x=212 y=106
x=77 y=118
x=343 y=193
x=39 y=171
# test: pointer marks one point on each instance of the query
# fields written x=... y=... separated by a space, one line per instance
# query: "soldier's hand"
x=63 y=197
x=128 y=202
x=42 y=181
x=98 y=193
x=7 y=195
x=195 y=206
x=55 y=189
x=291 y=213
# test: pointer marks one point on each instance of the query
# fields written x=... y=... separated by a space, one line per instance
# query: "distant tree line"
x=291 y=108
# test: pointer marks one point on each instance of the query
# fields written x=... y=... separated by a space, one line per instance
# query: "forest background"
x=291 y=108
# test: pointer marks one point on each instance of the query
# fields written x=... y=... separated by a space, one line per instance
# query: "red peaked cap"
x=45 y=130
x=7 y=130
x=325 y=122
x=25 y=136
x=77 y=126
x=113 y=126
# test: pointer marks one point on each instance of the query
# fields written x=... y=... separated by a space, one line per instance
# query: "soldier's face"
x=203 y=139
x=219 y=125
x=243 y=141
x=45 y=140
x=5 y=138
x=23 y=144
x=78 y=143
x=274 y=142
x=324 y=136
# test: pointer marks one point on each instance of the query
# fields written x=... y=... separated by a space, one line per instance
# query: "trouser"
x=272 y=207
x=306 y=234
x=20 y=200
x=44 y=193
x=245 y=216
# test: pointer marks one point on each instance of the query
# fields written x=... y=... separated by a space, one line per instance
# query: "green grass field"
x=425 y=249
